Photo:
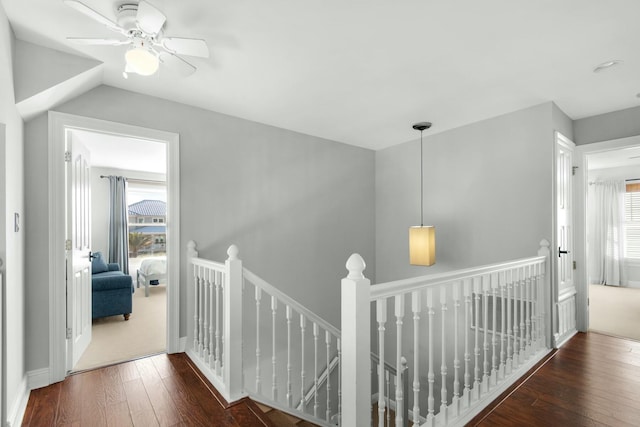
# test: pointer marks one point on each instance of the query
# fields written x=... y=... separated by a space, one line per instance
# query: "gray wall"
x=487 y=190
x=297 y=206
x=12 y=243
x=604 y=127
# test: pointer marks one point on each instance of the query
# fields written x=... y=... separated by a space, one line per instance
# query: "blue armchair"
x=112 y=290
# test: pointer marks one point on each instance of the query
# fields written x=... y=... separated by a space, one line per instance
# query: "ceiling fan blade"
x=86 y=10
x=176 y=65
x=150 y=20
x=98 y=42
x=191 y=47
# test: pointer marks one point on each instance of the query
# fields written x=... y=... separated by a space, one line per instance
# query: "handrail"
x=389 y=289
x=200 y=262
x=376 y=359
x=271 y=290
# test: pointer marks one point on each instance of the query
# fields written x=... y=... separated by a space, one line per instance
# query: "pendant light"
x=422 y=239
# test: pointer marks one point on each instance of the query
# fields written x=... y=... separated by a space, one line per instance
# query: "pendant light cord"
x=421 y=183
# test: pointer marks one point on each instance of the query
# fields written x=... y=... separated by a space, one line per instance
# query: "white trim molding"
x=16 y=409
x=59 y=123
x=38 y=378
x=580 y=216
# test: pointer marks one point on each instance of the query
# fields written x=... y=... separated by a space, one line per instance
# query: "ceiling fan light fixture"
x=141 y=61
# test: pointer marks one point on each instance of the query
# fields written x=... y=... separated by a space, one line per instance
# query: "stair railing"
x=471 y=334
x=251 y=339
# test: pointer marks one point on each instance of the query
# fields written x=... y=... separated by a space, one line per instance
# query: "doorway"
x=598 y=162
x=142 y=164
x=60 y=125
x=613 y=241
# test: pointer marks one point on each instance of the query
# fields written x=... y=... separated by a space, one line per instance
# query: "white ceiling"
x=118 y=152
x=615 y=158
x=361 y=72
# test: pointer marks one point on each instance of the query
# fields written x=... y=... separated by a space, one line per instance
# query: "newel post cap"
x=233 y=252
x=191 y=249
x=355 y=265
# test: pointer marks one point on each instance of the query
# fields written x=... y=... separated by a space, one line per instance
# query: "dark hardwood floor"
x=162 y=390
x=593 y=380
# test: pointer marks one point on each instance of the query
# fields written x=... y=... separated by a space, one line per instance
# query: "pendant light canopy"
x=422 y=239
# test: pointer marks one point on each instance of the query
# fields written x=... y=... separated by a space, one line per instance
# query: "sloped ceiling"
x=361 y=72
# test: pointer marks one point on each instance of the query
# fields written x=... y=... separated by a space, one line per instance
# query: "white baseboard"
x=634 y=284
x=16 y=408
x=38 y=378
x=183 y=344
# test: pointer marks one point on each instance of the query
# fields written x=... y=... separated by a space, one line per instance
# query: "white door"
x=78 y=251
x=564 y=288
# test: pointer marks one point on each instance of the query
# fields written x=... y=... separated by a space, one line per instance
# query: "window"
x=632 y=221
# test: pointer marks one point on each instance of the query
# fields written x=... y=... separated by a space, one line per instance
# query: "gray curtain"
x=118 y=228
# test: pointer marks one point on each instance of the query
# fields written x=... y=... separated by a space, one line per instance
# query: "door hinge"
x=69 y=332
x=574 y=265
x=67 y=156
x=573 y=170
x=67 y=244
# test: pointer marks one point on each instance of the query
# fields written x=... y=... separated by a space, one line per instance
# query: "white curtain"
x=605 y=232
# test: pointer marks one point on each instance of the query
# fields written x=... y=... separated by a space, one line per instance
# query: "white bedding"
x=152 y=271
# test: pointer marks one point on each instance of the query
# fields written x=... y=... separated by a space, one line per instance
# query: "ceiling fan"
x=140 y=25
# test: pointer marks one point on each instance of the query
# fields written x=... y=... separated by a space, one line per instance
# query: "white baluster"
x=416 y=308
x=196 y=306
x=206 y=314
x=503 y=307
x=516 y=342
x=527 y=325
x=274 y=378
x=327 y=340
x=211 y=282
x=339 y=347
x=218 y=314
x=443 y=365
x=387 y=378
x=381 y=318
x=201 y=331
x=315 y=369
x=494 y=327
x=455 y=402
x=534 y=308
x=430 y=375
x=523 y=348
x=289 y=367
x=477 y=288
x=486 y=284
x=258 y=296
x=399 y=313
x=467 y=353
x=509 y=279
x=303 y=397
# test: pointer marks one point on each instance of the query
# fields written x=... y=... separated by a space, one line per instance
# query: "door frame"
x=580 y=217
x=58 y=125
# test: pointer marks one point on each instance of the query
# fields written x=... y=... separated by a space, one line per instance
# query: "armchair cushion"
x=98 y=264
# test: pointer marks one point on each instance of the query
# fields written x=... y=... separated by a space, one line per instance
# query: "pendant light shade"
x=422 y=245
x=422 y=238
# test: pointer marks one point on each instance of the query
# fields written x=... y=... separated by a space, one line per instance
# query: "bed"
x=152 y=272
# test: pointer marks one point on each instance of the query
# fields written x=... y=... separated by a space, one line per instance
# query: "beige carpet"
x=114 y=340
x=615 y=311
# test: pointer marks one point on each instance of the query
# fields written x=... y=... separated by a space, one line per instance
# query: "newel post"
x=356 y=346
x=547 y=323
x=232 y=334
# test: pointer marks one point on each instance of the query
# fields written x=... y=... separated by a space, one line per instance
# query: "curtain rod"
x=626 y=180
x=148 y=181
